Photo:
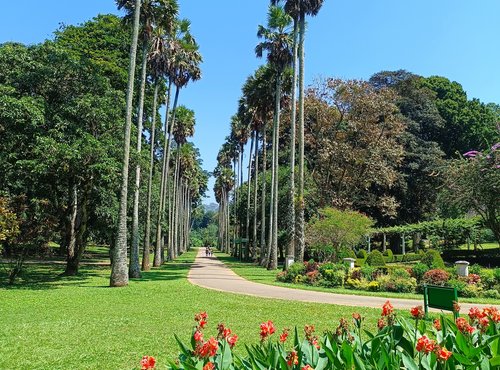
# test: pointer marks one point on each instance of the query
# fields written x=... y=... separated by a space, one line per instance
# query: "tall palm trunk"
x=119 y=271
x=147 y=238
x=249 y=188
x=270 y=232
x=255 y=190
x=300 y=242
x=134 y=269
x=235 y=207
x=273 y=255
x=158 y=244
x=172 y=227
x=290 y=248
x=263 y=249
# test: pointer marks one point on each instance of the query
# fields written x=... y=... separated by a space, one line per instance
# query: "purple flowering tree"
x=473 y=184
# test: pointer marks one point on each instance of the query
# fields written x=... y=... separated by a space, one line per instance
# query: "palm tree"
x=183 y=66
x=119 y=272
x=298 y=9
x=157 y=65
x=184 y=128
x=277 y=44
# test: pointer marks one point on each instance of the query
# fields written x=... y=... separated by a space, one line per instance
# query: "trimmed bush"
x=368 y=272
x=362 y=254
x=332 y=278
x=491 y=293
x=332 y=266
x=410 y=257
x=436 y=277
x=475 y=269
x=459 y=284
x=345 y=252
x=296 y=269
x=418 y=270
x=472 y=291
x=395 y=284
x=433 y=259
x=400 y=273
x=389 y=255
x=375 y=258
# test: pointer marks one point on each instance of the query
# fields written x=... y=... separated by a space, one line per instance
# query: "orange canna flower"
x=443 y=354
x=209 y=366
x=417 y=312
x=148 y=362
x=387 y=309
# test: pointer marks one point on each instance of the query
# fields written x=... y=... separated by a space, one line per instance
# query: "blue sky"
x=457 y=39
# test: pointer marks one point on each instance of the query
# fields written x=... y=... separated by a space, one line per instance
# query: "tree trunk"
x=247 y=226
x=263 y=248
x=290 y=248
x=271 y=205
x=147 y=237
x=134 y=269
x=300 y=242
x=255 y=190
x=273 y=260
x=119 y=271
x=71 y=233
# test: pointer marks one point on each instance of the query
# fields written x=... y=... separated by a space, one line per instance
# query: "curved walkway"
x=211 y=273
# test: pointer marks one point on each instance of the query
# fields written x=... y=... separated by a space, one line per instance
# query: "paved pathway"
x=211 y=273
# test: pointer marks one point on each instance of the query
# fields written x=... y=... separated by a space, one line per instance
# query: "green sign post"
x=440 y=297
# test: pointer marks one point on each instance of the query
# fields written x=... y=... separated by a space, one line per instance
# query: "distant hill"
x=214 y=207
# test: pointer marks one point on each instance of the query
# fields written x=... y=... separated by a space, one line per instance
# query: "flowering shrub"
x=467 y=343
x=436 y=277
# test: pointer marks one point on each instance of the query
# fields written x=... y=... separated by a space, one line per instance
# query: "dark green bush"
x=410 y=257
x=459 y=284
x=496 y=272
x=491 y=293
x=362 y=254
x=432 y=258
x=333 y=267
x=296 y=269
x=345 y=252
x=368 y=272
x=332 y=278
x=475 y=269
x=418 y=271
x=400 y=273
x=375 y=258
x=389 y=255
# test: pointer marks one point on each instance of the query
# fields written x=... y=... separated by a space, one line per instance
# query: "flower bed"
x=398 y=343
x=401 y=279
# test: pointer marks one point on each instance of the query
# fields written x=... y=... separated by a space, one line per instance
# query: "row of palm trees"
x=170 y=57
x=264 y=94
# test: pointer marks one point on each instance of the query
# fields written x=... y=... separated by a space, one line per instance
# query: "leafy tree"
x=333 y=229
x=473 y=184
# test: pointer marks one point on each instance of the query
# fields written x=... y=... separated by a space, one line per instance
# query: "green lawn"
x=79 y=323
x=261 y=275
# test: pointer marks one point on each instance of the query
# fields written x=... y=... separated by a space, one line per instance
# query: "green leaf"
x=227 y=357
x=462 y=343
x=347 y=355
x=358 y=362
x=462 y=359
x=409 y=362
x=495 y=361
x=183 y=348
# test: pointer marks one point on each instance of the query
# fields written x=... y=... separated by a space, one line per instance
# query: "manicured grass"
x=261 y=275
x=49 y=322
x=481 y=246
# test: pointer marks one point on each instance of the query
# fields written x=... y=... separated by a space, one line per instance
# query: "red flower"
x=266 y=329
x=387 y=309
x=380 y=324
x=292 y=358
x=425 y=344
x=464 y=326
x=443 y=354
x=356 y=316
x=209 y=366
x=484 y=322
x=226 y=333
x=209 y=348
x=437 y=324
x=232 y=340
x=198 y=336
x=417 y=312
x=476 y=314
x=284 y=336
x=148 y=362
x=202 y=316
x=307 y=367
x=492 y=313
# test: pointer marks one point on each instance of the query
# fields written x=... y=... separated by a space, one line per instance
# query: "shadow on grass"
x=48 y=276
x=44 y=276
